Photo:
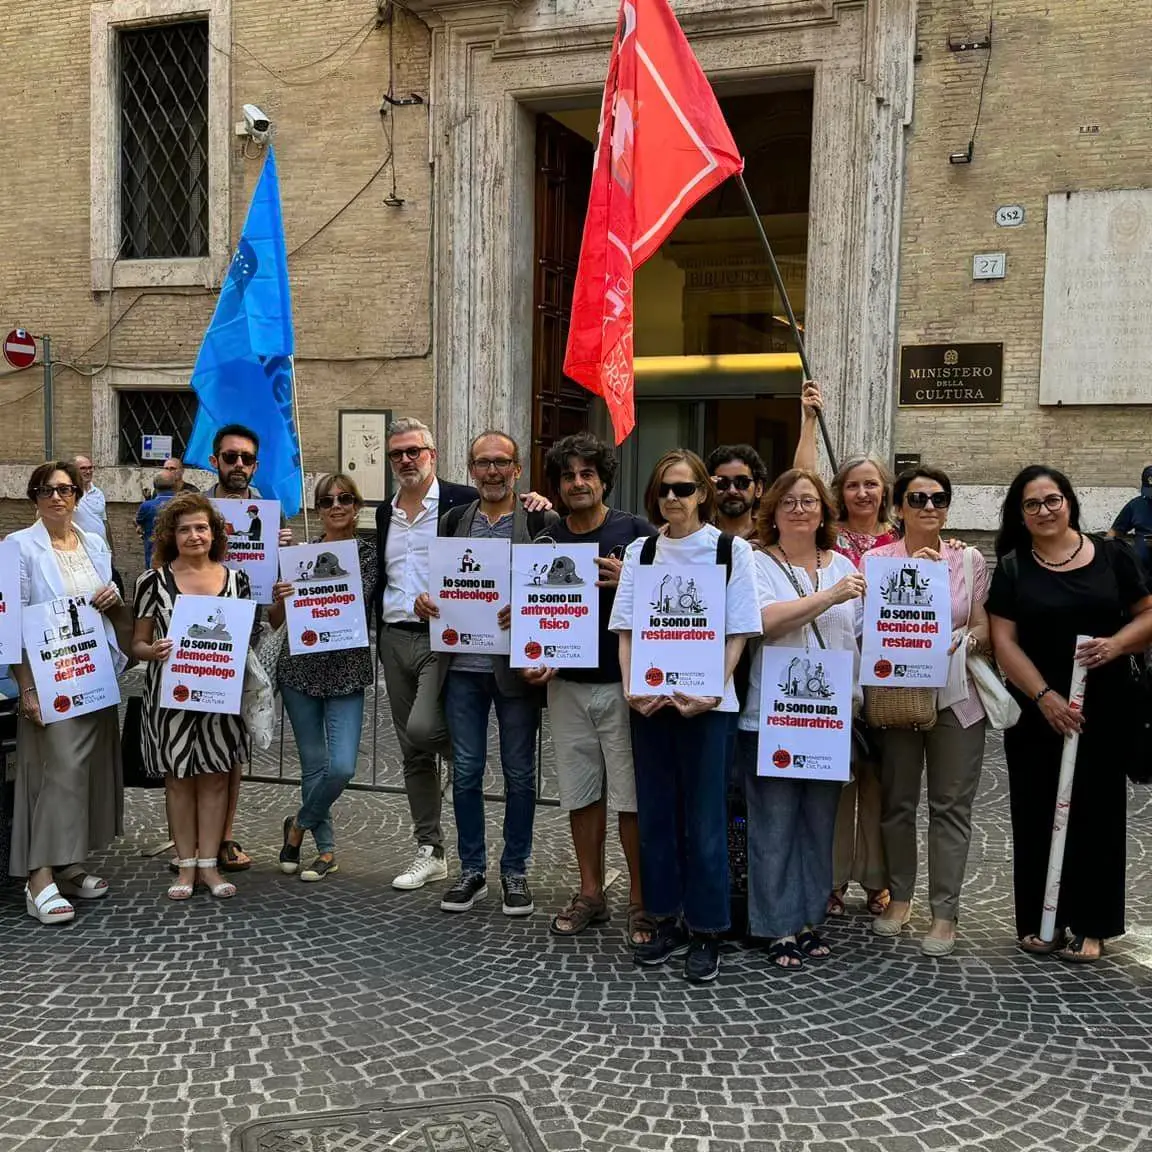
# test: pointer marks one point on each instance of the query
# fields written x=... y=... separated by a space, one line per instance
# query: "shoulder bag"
x=999 y=705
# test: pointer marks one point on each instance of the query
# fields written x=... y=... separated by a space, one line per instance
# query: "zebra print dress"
x=174 y=742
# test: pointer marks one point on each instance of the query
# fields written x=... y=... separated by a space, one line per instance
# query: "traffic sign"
x=19 y=349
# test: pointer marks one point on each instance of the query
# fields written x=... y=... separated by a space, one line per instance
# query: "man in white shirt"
x=92 y=508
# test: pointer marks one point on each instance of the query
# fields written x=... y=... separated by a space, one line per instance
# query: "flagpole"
x=300 y=448
x=779 y=282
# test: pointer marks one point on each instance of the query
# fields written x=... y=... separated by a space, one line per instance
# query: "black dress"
x=1050 y=609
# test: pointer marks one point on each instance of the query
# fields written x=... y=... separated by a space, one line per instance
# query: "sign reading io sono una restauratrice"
x=933 y=374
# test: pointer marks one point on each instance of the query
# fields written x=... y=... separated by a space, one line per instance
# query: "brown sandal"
x=581 y=912
x=878 y=900
x=640 y=924
x=232 y=857
x=836 y=906
x=1037 y=947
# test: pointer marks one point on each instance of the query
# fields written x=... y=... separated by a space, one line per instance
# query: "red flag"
x=663 y=145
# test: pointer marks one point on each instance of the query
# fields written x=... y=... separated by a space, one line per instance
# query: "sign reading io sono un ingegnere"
x=934 y=374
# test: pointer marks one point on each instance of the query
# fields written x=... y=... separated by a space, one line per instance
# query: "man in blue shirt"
x=1136 y=518
x=162 y=492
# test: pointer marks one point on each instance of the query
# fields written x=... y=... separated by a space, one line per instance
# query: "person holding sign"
x=952 y=750
x=69 y=783
x=810 y=601
x=324 y=694
x=1053 y=583
x=194 y=752
x=680 y=741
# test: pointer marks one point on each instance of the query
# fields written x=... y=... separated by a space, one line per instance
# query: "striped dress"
x=174 y=742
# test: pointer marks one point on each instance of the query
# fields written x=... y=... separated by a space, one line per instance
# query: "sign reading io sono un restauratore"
x=935 y=374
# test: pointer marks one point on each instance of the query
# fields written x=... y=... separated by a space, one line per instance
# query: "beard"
x=734 y=506
x=234 y=481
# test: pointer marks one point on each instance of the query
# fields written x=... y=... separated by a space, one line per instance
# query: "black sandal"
x=785 y=950
x=810 y=944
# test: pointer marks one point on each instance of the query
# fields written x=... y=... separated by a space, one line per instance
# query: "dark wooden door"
x=564 y=162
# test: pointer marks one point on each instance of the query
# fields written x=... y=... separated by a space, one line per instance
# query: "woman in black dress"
x=1052 y=584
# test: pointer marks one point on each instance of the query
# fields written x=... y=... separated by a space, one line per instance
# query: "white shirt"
x=406 y=556
x=839 y=627
x=741 y=605
x=91 y=512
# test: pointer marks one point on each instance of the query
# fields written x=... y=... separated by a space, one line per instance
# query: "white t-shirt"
x=840 y=626
x=741 y=605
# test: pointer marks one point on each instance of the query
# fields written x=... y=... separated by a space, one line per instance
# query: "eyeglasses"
x=740 y=483
x=1054 y=501
x=500 y=463
x=246 y=458
x=86 y=468
x=47 y=491
x=414 y=453
x=681 y=489
x=807 y=503
x=344 y=499
x=923 y=499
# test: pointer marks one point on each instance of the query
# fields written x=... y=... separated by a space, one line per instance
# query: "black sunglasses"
x=344 y=499
x=398 y=454
x=246 y=458
x=681 y=488
x=922 y=499
x=47 y=491
x=740 y=483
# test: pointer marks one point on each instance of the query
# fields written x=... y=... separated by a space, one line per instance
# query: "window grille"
x=164 y=141
x=160 y=413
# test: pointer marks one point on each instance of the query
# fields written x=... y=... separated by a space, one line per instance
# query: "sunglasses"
x=47 y=491
x=344 y=499
x=681 y=489
x=398 y=454
x=740 y=483
x=923 y=499
x=245 y=458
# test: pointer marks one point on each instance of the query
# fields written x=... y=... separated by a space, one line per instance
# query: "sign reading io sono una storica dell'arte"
x=932 y=374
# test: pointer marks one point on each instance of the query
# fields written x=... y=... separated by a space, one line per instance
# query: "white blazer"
x=41 y=581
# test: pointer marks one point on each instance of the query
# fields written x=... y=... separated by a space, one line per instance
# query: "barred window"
x=162 y=412
x=164 y=141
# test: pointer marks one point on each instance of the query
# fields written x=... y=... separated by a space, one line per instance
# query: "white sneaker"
x=425 y=866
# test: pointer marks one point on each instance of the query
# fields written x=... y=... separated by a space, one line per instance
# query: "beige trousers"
x=858 y=850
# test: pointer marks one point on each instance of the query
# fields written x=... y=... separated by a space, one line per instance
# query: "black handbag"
x=131 y=741
x=1138 y=764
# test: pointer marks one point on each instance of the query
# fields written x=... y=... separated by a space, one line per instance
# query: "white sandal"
x=180 y=891
x=222 y=891
x=82 y=885
x=49 y=907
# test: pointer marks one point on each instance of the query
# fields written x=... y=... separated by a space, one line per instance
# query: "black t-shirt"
x=613 y=536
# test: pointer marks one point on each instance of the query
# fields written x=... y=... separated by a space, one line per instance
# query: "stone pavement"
x=207 y=1025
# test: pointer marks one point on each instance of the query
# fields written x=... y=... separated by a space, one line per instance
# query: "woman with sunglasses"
x=1053 y=583
x=69 y=785
x=324 y=695
x=953 y=750
x=679 y=742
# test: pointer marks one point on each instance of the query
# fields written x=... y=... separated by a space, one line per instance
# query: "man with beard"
x=739 y=476
x=475 y=684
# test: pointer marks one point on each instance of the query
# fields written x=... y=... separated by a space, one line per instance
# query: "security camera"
x=255 y=120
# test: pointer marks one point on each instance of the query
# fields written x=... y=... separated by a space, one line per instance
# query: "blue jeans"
x=468 y=699
x=327 y=730
x=682 y=805
x=790 y=831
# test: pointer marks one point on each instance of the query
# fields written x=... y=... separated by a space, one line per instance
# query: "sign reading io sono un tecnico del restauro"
x=933 y=374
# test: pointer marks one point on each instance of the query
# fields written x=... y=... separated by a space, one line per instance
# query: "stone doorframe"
x=495 y=62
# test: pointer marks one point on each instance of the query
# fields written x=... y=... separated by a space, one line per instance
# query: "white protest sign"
x=555 y=606
x=678 y=630
x=253 y=540
x=10 y=638
x=210 y=637
x=907 y=623
x=71 y=663
x=805 y=713
x=469 y=581
x=325 y=612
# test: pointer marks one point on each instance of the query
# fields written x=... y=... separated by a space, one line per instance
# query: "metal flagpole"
x=300 y=446
x=1063 y=805
x=779 y=282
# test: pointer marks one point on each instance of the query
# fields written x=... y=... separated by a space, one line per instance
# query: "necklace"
x=815 y=582
x=68 y=544
x=1061 y=563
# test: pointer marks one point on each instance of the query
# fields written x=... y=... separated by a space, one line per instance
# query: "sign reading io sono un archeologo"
x=947 y=374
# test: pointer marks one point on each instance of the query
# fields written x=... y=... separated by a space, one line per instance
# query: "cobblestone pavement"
x=152 y=1025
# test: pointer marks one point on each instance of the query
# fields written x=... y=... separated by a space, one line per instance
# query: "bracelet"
x=1041 y=694
x=25 y=691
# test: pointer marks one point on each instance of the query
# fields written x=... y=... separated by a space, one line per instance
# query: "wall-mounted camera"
x=257 y=126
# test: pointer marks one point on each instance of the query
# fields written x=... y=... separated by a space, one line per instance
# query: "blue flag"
x=243 y=373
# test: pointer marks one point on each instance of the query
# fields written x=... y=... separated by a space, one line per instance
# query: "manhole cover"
x=481 y=1124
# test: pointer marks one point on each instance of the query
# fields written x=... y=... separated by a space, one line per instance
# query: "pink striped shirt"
x=969 y=711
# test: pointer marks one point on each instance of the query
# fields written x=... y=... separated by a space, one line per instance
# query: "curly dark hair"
x=745 y=454
x=164 y=549
x=1014 y=532
x=766 y=530
x=584 y=446
x=43 y=473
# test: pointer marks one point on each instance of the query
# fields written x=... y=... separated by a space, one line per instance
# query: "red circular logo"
x=180 y=692
x=308 y=638
x=450 y=637
x=781 y=758
x=882 y=669
x=653 y=677
x=533 y=650
x=62 y=703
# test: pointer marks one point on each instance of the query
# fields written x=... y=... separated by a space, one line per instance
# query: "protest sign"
x=10 y=636
x=325 y=612
x=253 y=537
x=678 y=630
x=555 y=606
x=71 y=663
x=469 y=581
x=805 y=713
x=907 y=623
x=210 y=637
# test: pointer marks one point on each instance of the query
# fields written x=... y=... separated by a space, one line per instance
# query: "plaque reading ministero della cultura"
x=946 y=374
